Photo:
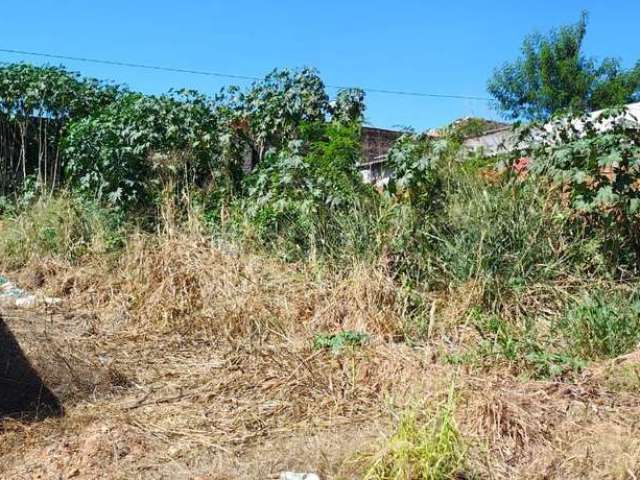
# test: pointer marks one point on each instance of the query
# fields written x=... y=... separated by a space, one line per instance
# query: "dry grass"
x=202 y=405
x=189 y=285
x=183 y=359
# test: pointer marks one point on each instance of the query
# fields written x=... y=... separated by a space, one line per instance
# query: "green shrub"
x=119 y=154
x=603 y=324
x=413 y=160
x=36 y=105
x=597 y=162
x=296 y=194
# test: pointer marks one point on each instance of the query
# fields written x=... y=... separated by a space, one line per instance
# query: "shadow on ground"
x=23 y=394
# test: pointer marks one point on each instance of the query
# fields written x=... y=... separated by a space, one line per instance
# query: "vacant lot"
x=247 y=395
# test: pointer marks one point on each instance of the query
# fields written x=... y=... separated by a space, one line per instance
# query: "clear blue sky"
x=448 y=47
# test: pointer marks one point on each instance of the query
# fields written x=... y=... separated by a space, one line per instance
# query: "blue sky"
x=426 y=46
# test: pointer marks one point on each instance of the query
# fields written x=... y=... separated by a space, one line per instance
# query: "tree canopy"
x=553 y=75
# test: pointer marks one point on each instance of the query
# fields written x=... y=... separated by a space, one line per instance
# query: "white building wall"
x=504 y=141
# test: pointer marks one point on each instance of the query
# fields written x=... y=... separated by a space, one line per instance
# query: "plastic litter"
x=298 y=476
x=12 y=296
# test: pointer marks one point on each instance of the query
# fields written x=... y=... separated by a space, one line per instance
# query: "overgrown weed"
x=426 y=445
x=64 y=227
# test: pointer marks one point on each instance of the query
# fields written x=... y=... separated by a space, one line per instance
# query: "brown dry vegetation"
x=180 y=359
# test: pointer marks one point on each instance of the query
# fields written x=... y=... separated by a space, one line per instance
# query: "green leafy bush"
x=413 y=160
x=117 y=154
x=269 y=115
x=36 y=104
x=597 y=162
x=296 y=193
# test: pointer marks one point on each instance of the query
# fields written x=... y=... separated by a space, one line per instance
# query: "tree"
x=270 y=114
x=348 y=106
x=118 y=153
x=554 y=76
x=36 y=104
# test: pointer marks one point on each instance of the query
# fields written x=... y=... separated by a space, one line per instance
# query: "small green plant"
x=602 y=325
x=425 y=446
x=544 y=363
x=338 y=341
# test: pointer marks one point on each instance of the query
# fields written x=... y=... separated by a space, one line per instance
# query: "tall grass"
x=510 y=241
x=602 y=324
x=63 y=226
x=502 y=237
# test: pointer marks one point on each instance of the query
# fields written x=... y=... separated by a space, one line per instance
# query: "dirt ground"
x=171 y=407
x=174 y=406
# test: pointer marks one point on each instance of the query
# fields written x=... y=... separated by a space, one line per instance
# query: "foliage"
x=338 y=341
x=118 y=153
x=413 y=161
x=298 y=189
x=523 y=347
x=471 y=127
x=35 y=105
x=553 y=75
x=597 y=325
x=349 y=106
x=425 y=447
x=270 y=114
x=501 y=237
x=597 y=161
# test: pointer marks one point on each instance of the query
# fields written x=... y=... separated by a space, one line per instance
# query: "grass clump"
x=63 y=227
x=602 y=325
x=528 y=349
x=424 y=446
x=503 y=237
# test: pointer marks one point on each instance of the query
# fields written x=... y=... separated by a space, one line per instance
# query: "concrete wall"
x=503 y=140
x=491 y=143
